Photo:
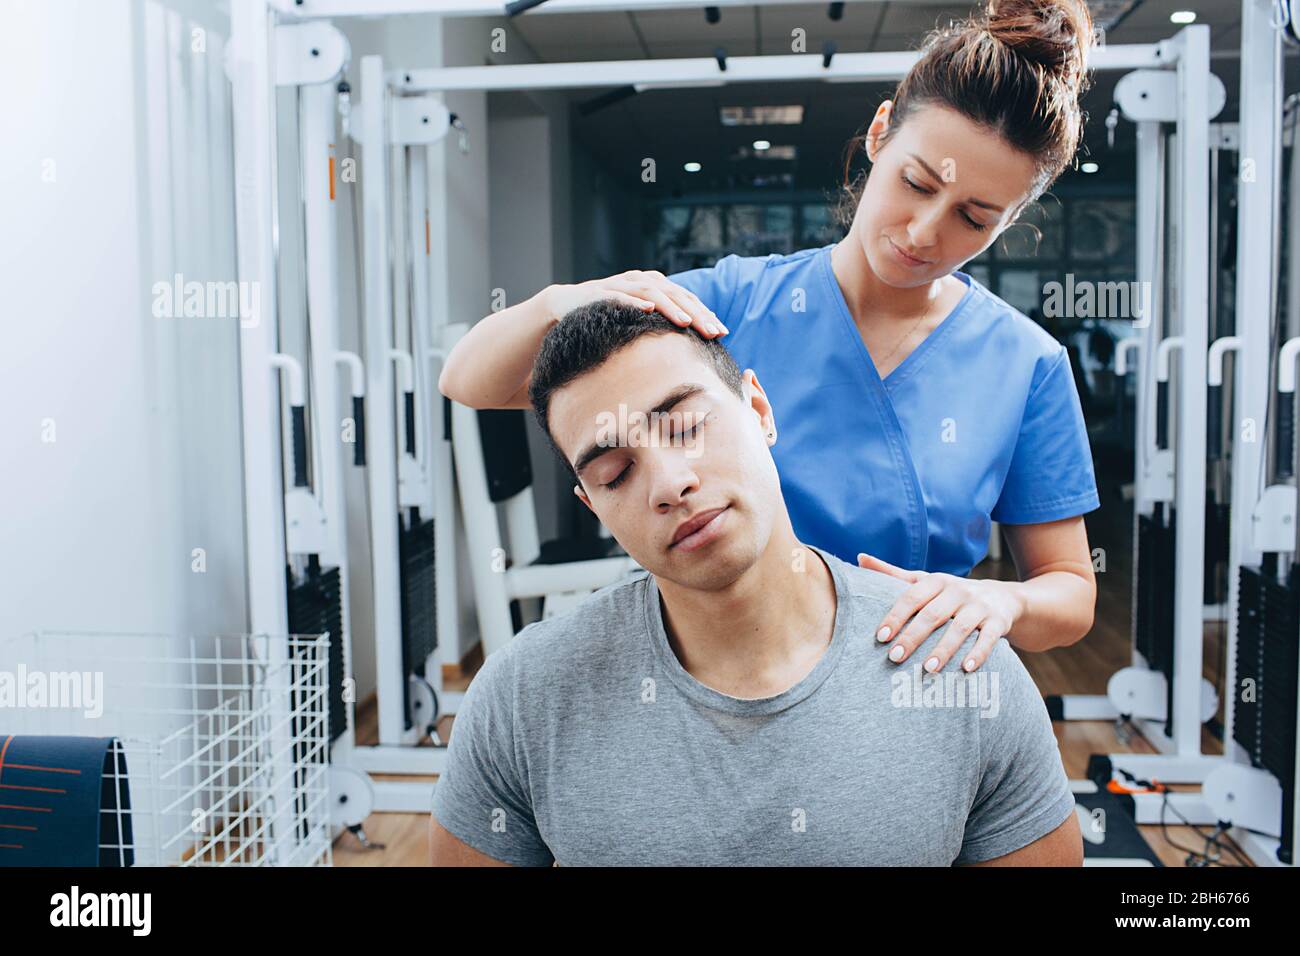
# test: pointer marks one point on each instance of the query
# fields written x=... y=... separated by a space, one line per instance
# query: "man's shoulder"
x=578 y=638
x=874 y=593
x=864 y=586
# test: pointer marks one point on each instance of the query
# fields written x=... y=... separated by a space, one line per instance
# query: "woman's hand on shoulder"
x=933 y=599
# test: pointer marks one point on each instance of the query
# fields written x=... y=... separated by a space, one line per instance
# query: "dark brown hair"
x=1017 y=69
x=586 y=338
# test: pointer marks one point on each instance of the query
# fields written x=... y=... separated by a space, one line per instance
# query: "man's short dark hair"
x=586 y=337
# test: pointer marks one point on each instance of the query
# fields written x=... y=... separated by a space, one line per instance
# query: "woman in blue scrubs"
x=916 y=407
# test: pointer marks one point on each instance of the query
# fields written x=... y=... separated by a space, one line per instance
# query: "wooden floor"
x=1081 y=669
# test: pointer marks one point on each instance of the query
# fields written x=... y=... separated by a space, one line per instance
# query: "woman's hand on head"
x=648 y=291
x=933 y=599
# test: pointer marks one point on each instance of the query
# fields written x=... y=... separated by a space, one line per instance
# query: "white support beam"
x=497 y=8
x=1192 y=157
x=1258 y=188
x=381 y=445
x=703 y=71
x=251 y=68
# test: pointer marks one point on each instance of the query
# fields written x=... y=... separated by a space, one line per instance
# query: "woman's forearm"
x=494 y=359
x=1056 y=610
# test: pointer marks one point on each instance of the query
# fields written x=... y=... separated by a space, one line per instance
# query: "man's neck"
x=779 y=617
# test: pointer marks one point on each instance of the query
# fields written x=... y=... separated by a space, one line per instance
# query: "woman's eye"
x=977 y=226
x=619 y=480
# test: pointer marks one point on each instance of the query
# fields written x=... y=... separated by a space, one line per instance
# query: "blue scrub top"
x=980 y=423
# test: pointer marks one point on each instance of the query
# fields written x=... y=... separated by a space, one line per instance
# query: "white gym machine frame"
x=1263 y=518
x=280 y=523
x=253 y=23
x=1187 y=97
x=1232 y=790
x=1174 y=475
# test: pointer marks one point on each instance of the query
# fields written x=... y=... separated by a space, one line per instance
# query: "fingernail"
x=725 y=330
x=970 y=664
x=683 y=317
x=932 y=664
x=896 y=653
x=883 y=634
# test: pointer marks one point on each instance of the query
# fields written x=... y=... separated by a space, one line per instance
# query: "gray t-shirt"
x=584 y=741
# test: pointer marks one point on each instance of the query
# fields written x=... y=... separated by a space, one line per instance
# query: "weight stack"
x=417 y=552
x=1268 y=614
x=1154 y=634
x=1218 y=527
x=315 y=607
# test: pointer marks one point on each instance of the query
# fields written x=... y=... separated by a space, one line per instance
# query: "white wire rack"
x=225 y=739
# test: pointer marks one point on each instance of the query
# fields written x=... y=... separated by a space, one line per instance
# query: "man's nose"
x=673 y=477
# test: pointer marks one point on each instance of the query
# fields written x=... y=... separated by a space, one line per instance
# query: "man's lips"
x=693 y=524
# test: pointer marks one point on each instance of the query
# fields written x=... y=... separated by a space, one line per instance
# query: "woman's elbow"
x=447 y=385
x=451 y=385
x=1081 y=630
x=1086 y=616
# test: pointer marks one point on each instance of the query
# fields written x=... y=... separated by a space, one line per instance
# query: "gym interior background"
x=127 y=475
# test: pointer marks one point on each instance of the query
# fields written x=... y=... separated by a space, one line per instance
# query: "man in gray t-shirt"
x=726 y=705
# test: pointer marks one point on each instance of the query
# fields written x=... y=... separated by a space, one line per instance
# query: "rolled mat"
x=64 y=801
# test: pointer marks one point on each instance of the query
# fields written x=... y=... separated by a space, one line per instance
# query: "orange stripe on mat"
x=28 y=766
x=14 y=786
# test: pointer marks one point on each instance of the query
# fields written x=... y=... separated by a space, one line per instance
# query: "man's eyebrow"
x=680 y=394
x=974 y=202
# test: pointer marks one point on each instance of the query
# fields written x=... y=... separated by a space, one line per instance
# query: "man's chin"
x=710 y=569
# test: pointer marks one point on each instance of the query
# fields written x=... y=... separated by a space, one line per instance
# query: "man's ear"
x=879 y=124
x=759 y=403
x=577 y=490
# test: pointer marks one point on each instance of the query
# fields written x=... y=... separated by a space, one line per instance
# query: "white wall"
x=524 y=250
x=116 y=174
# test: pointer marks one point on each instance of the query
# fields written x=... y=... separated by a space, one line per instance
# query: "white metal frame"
x=1194 y=700
x=252 y=74
x=1188 y=104
x=1236 y=791
x=1186 y=94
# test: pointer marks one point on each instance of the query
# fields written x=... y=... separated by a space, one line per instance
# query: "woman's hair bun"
x=1056 y=34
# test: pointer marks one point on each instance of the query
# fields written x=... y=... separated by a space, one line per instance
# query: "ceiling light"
x=760 y=115
x=1089 y=167
x=692 y=167
x=762 y=144
x=1183 y=16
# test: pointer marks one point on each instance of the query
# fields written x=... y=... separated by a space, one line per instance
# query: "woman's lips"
x=905 y=258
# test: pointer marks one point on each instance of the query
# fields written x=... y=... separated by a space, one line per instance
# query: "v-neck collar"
x=914 y=358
